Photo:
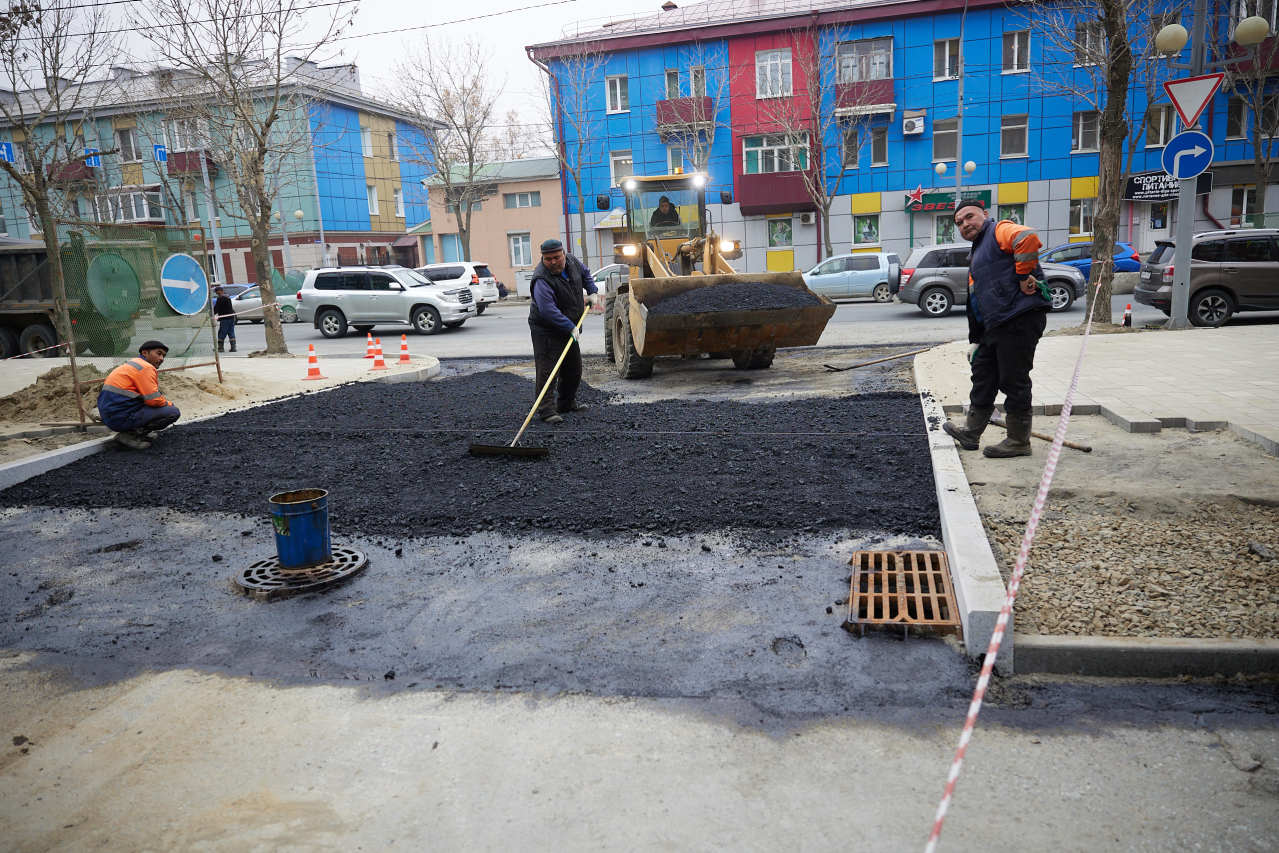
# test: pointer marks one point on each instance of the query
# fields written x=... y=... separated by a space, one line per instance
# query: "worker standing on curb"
x=1007 y=312
x=130 y=401
x=224 y=311
x=556 y=287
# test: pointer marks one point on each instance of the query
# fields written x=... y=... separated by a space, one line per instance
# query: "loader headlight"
x=630 y=185
x=727 y=245
x=630 y=250
x=699 y=181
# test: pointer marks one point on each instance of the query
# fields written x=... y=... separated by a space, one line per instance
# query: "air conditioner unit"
x=912 y=126
x=807 y=218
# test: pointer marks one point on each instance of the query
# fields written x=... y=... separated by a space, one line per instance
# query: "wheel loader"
x=669 y=250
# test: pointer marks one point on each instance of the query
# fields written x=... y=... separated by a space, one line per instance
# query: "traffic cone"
x=369 y=351
x=404 y=349
x=312 y=364
x=378 y=363
x=1128 y=315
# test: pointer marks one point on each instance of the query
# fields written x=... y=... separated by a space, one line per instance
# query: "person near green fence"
x=130 y=401
x=224 y=311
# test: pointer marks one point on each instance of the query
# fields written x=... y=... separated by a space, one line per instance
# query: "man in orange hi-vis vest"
x=1007 y=311
x=130 y=401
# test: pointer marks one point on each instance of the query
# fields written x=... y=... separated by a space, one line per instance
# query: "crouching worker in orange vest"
x=130 y=401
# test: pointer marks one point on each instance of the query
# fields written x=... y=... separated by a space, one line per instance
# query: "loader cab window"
x=661 y=211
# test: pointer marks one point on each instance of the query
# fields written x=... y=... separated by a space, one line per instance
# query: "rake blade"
x=507 y=450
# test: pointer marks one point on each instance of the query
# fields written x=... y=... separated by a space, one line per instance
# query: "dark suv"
x=936 y=277
x=1230 y=271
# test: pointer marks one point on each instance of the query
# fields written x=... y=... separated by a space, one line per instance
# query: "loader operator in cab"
x=664 y=214
x=130 y=401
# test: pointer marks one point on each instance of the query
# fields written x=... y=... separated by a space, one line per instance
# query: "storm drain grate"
x=267 y=579
x=907 y=589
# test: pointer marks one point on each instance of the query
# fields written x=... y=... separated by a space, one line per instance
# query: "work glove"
x=972 y=352
x=597 y=300
x=577 y=335
x=1045 y=291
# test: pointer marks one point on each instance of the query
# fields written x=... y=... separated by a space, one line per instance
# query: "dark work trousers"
x=1004 y=360
x=546 y=351
x=226 y=328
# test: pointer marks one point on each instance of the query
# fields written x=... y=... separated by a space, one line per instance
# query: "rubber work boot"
x=974 y=426
x=1018 y=441
x=574 y=407
x=221 y=345
x=553 y=419
x=132 y=441
x=233 y=345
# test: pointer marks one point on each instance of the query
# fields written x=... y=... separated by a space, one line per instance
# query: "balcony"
x=1267 y=52
x=864 y=97
x=69 y=173
x=774 y=192
x=188 y=163
x=680 y=115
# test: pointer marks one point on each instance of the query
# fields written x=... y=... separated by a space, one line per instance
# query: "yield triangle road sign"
x=1191 y=94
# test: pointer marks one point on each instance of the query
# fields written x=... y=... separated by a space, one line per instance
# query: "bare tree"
x=49 y=53
x=1100 y=61
x=574 y=126
x=692 y=121
x=513 y=139
x=236 y=94
x=827 y=122
x=1251 y=79
x=450 y=86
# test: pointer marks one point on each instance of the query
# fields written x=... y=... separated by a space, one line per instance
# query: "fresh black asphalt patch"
x=394 y=459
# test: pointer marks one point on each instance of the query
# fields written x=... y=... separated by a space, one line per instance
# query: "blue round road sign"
x=1187 y=155
x=184 y=284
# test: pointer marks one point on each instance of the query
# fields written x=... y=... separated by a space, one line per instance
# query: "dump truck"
x=670 y=249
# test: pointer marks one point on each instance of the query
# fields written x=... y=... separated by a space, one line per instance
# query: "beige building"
x=522 y=208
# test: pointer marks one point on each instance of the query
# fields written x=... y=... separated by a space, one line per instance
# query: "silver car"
x=873 y=274
x=334 y=298
x=248 y=306
x=935 y=278
x=471 y=273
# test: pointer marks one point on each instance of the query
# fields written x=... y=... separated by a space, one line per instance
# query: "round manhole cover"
x=266 y=579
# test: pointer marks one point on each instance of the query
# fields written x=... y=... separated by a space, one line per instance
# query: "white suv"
x=471 y=273
x=363 y=297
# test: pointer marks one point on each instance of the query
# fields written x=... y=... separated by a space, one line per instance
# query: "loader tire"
x=754 y=359
x=609 y=303
x=630 y=364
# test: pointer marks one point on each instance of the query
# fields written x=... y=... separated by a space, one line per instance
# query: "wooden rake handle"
x=554 y=371
x=999 y=422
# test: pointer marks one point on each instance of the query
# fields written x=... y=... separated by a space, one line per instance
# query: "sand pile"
x=51 y=398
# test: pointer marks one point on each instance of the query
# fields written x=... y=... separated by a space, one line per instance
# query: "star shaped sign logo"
x=916 y=196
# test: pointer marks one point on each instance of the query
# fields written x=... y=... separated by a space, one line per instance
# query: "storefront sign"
x=918 y=202
x=1161 y=186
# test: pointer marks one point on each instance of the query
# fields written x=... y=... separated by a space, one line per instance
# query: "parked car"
x=1230 y=271
x=474 y=274
x=873 y=274
x=334 y=298
x=248 y=307
x=935 y=278
x=1079 y=256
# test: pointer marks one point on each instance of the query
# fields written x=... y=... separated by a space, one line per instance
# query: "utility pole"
x=213 y=222
x=1180 y=317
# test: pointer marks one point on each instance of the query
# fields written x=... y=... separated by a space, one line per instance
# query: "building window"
x=393 y=148
x=697 y=81
x=1081 y=213
x=451 y=207
x=184 y=134
x=191 y=204
x=619 y=100
x=868 y=59
x=521 y=250
x=1013 y=213
x=879 y=146
x=398 y=196
x=131 y=205
x=674 y=159
x=946 y=59
x=127 y=145
x=1248 y=8
x=366 y=141
x=371 y=192
x=945 y=138
x=775 y=153
x=672 y=84
x=1236 y=113
x=4 y=225
x=1016 y=52
x=1159 y=216
x=780 y=233
x=1243 y=204
x=1161 y=124
x=1012 y=136
x=528 y=199
x=945 y=228
x=620 y=166
x=866 y=229
x=1090 y=43
x=1084 y=132
x=772 y=73
x=852 y=145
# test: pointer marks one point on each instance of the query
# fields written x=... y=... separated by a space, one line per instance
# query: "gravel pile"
x=1204 y=572
x=737 y=296
x=394 y=459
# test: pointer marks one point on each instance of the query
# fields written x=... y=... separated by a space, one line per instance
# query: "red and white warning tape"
x=34 y=351
x=1014 y=582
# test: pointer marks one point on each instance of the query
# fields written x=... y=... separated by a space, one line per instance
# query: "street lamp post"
x=284 y=234
x=969 y=168
x=1170 y=41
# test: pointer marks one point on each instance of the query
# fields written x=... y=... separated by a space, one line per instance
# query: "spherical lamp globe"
x=1171 y=39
